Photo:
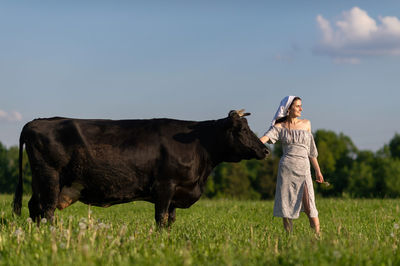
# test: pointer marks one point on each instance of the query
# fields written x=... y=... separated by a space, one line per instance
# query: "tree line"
x=350 y=172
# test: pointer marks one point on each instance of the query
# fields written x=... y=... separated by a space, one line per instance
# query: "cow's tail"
x=18 y=190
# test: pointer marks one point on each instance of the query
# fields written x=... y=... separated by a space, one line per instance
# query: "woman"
x=294 y=188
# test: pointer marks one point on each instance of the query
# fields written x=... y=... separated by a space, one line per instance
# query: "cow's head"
x=240 y=142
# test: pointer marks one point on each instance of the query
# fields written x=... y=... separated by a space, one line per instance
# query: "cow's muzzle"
x=266 y=152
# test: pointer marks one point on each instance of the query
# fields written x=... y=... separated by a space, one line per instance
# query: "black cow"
x=107 y=162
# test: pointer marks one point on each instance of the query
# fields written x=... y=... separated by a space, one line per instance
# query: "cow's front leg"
x=171 y=215
x=163 y=196
x=161 y=214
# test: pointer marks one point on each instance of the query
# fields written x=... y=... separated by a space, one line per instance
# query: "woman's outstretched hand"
x=264 y=139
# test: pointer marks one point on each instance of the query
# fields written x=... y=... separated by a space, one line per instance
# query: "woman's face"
x=295 y=109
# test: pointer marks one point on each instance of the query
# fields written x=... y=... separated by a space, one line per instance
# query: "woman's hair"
x=283 y=119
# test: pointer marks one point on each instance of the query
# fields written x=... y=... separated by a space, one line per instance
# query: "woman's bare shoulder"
x=278 y=125
x=306 y=124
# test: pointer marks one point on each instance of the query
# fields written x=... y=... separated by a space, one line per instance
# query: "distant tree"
x=336 y=155
x=265 y=174
x=277 y=150
x=13 y=157
x=5 y=186
x=384 y=152
x=389 y=172
x=394 y=146
x=366 y=157
x=231 y=180
x=361 y=180
x=9 y=170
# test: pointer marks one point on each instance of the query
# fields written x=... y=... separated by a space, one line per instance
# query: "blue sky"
x=196 y=60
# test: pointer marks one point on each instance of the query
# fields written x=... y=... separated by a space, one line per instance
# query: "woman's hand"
x=319 y=177
x=264 y=139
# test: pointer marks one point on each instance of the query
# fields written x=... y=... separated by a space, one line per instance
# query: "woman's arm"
x=271 y=135
x=318 y=175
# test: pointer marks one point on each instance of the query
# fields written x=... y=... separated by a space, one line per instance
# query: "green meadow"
x=211 y=232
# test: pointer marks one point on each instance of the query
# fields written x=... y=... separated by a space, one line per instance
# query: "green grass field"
x=223 y=232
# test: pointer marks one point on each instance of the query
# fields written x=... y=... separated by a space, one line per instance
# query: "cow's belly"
x=106 y=188
x=119 y=192
x=97 y=197
x=109 y=200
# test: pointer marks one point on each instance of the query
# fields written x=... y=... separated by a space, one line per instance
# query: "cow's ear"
x=234 y=114
x=232 y=121
x=235 y=119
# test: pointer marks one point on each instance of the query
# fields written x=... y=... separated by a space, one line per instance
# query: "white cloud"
x=12 y=116
x=357 y=35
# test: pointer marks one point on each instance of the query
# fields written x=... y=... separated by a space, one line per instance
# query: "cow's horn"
x=241 y=113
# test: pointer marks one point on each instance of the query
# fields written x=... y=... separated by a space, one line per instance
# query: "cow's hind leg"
x=35 y=210
x=49 y=191
x=163 y=196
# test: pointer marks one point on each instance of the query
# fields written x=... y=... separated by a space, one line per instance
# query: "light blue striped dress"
x=294 y=174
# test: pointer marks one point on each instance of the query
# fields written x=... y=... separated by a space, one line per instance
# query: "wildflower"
x=18 y=232
x=44 y=220
x=392 y=234
x=123 y=230
x=82 y=226
x=65 y=233
x=29 y=220
x=101 y=226
x=396 y=226
x=52 y=229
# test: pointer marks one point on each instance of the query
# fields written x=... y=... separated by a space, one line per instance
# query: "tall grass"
x=223 y=232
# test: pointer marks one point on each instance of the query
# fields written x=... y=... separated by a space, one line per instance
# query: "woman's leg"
x=314 y=221
x=288 y=225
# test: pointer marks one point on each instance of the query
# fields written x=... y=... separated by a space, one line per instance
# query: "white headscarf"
x=283 y=108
